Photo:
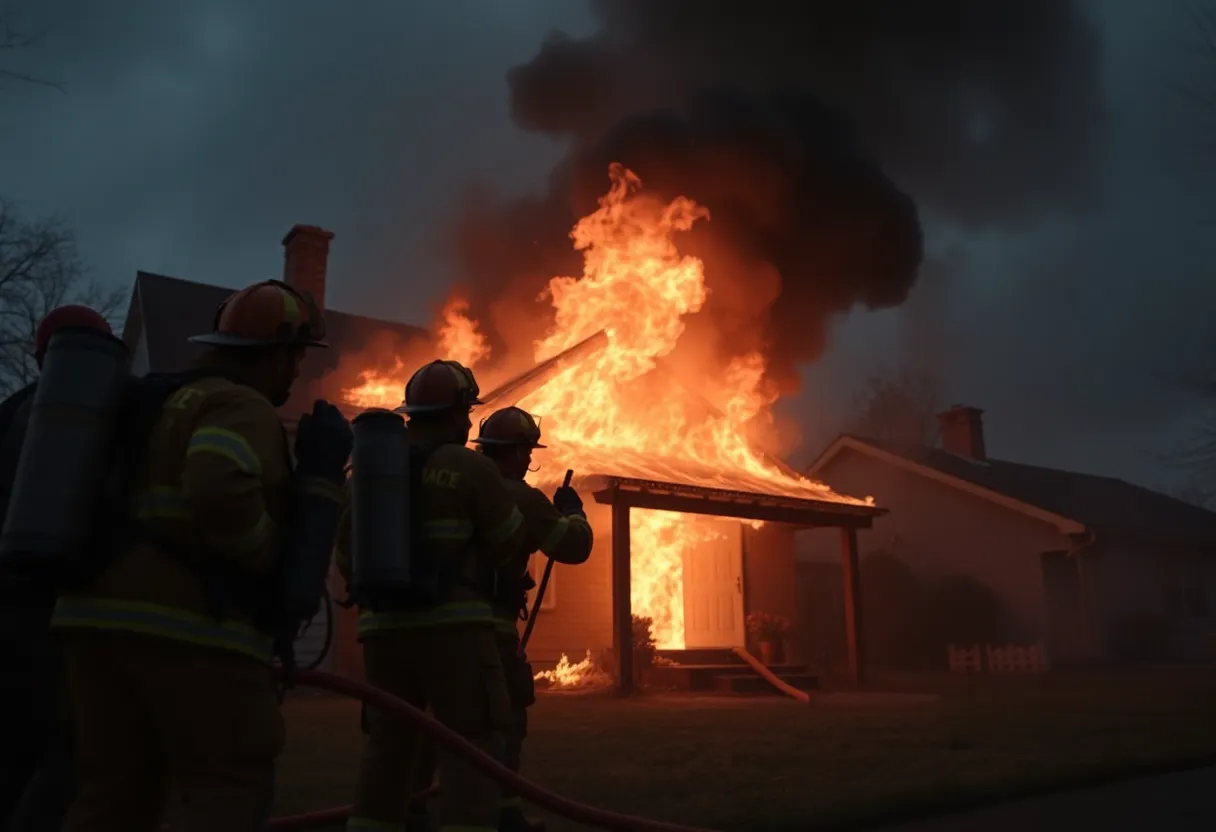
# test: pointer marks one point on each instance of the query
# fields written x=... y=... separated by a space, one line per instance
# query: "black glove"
x=567 y=501
x=324 y=441
x=528 y=582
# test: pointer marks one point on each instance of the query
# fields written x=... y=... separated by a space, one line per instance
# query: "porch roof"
x=745 y=505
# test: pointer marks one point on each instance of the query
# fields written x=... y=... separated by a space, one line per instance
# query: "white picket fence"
x=999 y=659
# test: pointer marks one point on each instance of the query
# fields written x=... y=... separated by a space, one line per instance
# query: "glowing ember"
x=585 y=674
x=616 y=412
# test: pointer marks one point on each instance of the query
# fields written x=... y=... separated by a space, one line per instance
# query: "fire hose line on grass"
x=577 y=812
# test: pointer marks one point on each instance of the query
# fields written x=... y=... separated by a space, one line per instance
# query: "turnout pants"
x=456 y=671
x=32 y=714
x=521 y=694
x=169 y=730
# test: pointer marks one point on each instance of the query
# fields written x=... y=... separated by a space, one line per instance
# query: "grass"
x=844 y=761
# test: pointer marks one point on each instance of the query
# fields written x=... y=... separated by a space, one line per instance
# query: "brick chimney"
x=305 y=256
x=963 y=432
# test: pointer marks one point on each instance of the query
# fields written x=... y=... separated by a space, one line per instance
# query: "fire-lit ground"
x=631 y=407
x=753 y=764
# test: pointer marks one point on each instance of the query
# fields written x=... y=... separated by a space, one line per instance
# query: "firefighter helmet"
x=509 y=426
x=72 y=315
x=266 y=314
x=440 y=385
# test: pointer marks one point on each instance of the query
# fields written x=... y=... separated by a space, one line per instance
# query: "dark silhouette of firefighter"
x=431 y=523
x=560 y=531
x=211 y=551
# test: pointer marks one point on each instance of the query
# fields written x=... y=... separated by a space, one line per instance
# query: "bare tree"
x=899 y=406
x=40 y=269
x=14 y=38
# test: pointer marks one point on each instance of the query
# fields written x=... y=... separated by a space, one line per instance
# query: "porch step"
x=705 y=677
x=701 y=656
x=755 y=685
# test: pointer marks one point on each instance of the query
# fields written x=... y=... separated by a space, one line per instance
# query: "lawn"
x=847 y=759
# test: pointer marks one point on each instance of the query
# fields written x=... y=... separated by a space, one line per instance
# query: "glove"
x=528 y=582
x=324 y=441
x=567 y=501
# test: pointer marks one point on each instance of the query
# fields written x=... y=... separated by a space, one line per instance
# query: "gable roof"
x=1073 y=502
x=167 y=310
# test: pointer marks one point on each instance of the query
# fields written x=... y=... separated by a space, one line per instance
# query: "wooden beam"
x=622 y=605
x=773 y=513
x=851 y=574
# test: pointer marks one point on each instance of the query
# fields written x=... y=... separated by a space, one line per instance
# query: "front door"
x=713 y=591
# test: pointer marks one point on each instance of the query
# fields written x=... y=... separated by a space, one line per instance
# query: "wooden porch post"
x=851 y=574
x=622 y=607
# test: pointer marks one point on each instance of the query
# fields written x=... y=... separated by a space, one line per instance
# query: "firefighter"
x=557 y=529
x=35 y=758
x=435 y=647
x=168 y=647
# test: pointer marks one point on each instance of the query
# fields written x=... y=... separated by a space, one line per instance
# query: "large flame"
x=620 y=411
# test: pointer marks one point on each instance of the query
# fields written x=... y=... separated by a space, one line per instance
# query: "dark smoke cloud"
x=808 y=129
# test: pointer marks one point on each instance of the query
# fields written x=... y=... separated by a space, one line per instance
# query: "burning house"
x=693 y=519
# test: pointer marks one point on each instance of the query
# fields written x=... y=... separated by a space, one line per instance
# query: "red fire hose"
x=577 y=812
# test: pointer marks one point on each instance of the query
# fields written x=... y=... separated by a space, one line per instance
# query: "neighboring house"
x=1090 y=566
x=165 y=311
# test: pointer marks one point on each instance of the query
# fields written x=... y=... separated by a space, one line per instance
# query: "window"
x=536 y=565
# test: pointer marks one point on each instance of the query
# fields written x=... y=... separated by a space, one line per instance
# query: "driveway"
x=1181 y=802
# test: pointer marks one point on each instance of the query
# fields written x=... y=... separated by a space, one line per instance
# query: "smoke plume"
x=812 y=131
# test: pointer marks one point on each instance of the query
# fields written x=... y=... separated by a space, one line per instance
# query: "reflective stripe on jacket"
x=165 y=622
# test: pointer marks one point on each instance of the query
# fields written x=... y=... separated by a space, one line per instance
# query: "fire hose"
x=558 y=805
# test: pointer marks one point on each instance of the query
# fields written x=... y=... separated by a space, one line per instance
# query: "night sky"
x=192 y=135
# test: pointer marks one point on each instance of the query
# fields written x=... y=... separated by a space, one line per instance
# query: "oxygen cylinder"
x=69 y=451
x=380 y=508
x=316 y=514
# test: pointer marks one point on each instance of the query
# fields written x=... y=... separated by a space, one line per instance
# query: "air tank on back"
x=380 y=508
x=69 y=451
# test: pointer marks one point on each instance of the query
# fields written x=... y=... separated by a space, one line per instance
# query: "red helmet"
x=509 y=426
x=67 y=316
x=266 y=314
x=440 y=385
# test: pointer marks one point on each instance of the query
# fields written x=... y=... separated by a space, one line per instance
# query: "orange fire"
x=621 y=410
x=457 y=337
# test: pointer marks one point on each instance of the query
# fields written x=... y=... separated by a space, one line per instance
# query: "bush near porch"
x=848 y=758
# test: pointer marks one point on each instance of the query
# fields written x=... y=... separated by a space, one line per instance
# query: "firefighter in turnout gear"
x=168 y=647
x=557 y=529
x=435 y=646
x=35 y=757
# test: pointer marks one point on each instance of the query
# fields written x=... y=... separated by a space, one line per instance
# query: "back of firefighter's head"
x=508 y=437
x=438 y=400
x=261 y=332
x=66 y=316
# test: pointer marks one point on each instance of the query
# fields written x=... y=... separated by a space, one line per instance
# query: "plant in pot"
x=769 y=631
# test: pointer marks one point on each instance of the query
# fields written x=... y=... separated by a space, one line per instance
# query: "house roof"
x=1074 y=502
x=169 y=310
